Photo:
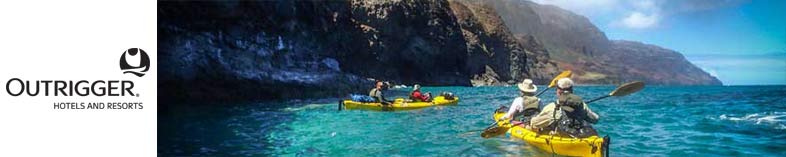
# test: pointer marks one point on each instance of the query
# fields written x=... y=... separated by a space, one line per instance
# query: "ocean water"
x=657 y=121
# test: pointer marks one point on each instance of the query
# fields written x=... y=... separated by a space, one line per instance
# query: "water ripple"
x=658 y=121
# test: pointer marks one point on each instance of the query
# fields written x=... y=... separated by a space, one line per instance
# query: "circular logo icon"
x=143 y=66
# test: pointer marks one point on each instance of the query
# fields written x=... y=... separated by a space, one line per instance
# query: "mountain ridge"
x=577 y=44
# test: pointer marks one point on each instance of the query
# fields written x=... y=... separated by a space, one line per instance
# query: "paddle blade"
x=493 y=131
x=627 y=88
x=564 y=74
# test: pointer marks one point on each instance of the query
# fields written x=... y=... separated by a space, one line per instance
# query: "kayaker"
x=526 y=104
x=569 y=116
x=416 y=95
x=376 y=93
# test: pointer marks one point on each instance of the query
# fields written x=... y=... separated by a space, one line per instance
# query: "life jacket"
x=575 y=123
x=531 y=102
x=531 y=107
x=376 y=94
x=417 y=96
x=572 y=105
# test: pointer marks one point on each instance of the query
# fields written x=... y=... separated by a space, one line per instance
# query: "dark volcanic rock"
x=245 y=50
x=230 y=51
x=254 y=50
x=410 y=42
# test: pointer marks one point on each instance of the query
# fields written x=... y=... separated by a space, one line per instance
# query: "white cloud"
x=642 y=15
x=638 y=20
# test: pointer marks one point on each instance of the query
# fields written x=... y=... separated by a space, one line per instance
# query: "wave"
x=776 y=119
x=307 y=107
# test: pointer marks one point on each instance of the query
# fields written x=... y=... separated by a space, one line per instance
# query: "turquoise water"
x=657 y=121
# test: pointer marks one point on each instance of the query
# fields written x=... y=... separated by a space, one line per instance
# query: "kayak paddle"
x=622 y=90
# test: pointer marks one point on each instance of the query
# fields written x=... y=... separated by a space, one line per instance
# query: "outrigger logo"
x=80 y=88
x=17 y=86
x=144 y=62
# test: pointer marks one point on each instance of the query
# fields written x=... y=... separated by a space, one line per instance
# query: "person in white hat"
x=568 y=116
x=526 y=104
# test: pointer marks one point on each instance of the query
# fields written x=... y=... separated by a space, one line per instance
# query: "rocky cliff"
x=248 y=50
x=650 y=63
x=245 y=50
x=495 y=56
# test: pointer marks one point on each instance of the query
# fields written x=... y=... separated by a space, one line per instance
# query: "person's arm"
x=514 y=108
x=593 y=117
x=544 y=118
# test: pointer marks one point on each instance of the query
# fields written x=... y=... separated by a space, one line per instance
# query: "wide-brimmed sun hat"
x=527 y=86
x=416 y=87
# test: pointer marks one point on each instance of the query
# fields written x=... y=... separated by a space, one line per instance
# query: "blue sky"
x=741 y=42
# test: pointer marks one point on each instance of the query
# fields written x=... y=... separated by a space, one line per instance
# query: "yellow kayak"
x=592 y=146
x=398 y=105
